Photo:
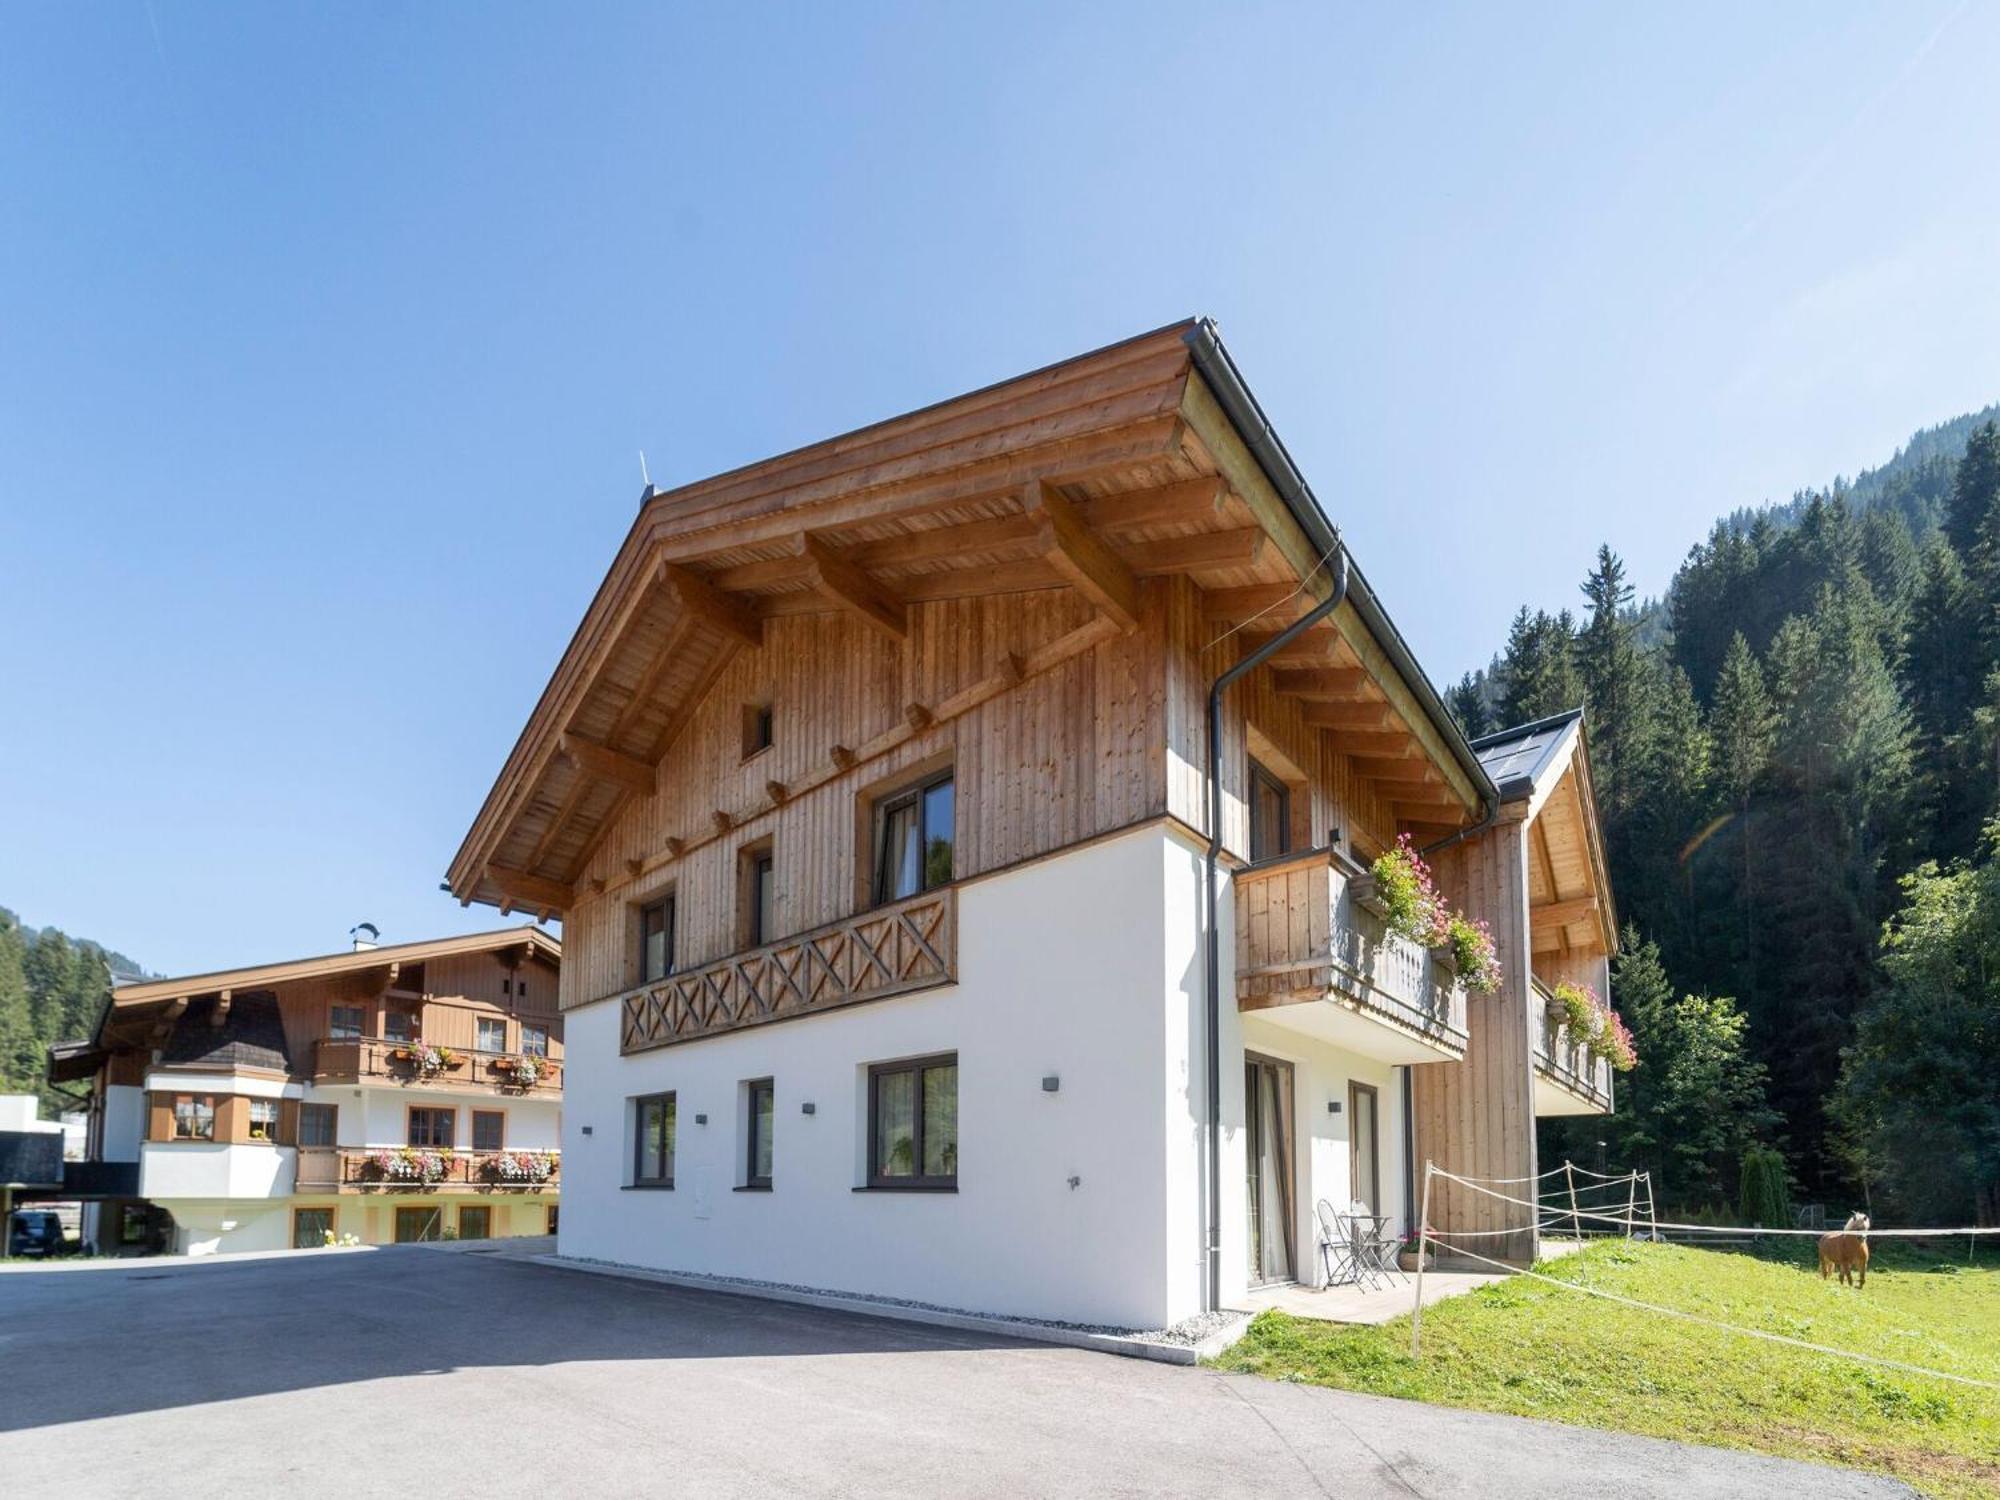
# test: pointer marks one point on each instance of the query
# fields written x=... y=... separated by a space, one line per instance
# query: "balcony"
x=1313 y=957
x=891 y=950
x=367 y=1059
x=1569 y=1078
x=360 y=1169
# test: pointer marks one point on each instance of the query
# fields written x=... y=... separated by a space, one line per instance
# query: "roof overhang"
x=1145 y=458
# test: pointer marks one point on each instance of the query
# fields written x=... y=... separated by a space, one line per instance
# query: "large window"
x=489 y=1129
x=310 y=1227
x=653 y=1141
x=492 y=1034
x=1270 y=814
x=316 y=1124
x=656 y=940
x=475 y=1222
x=194 y=1118
x=913 y=839
x=263 y=1119
x=913 y=1124
x=431 y=1127
x=345 y=1021
x=763 y=1106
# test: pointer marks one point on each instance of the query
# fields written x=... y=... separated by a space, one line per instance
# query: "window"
x=316 y=1124
x=194 y=1118
x=653 y=1141
x=345 y=1021
x=656 y=940
x=1270 y=814
x=554 y=1210
x=263 y=1119
x=414 y=1224
x=760 y=890
x=913 y=839
x=396 y=1026
x=492 y=1034
x=756 y=728
x=763 y=1102
x=431 y=1127
x=534 y=1040
x=310 y=1227
x=913 y=1124
x=489 y=1129
x=475 y=1222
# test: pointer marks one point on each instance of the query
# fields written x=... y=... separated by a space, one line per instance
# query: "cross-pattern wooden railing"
x=892 y=950
x=1564 y=1060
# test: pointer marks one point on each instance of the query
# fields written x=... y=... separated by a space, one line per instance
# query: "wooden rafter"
x=1076 y=552
x=1184 y=500
x=524 y=889
x=221 y=1012
x=1554 y=915
x=1366 y=716
x=606 y=764
x=698 y=597
x=1330 y=684
x=836 y=579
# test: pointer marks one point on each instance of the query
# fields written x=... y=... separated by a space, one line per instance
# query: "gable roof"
x=1521 y=758
x=258 y=976
x=1153 y=445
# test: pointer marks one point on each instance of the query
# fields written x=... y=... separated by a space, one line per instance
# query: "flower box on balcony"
x=1367 y=895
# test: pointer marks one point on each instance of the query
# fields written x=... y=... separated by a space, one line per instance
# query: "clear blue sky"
x=331 y=332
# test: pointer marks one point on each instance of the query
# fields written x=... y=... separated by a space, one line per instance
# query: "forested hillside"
x=51 y=989
x=1796 y=761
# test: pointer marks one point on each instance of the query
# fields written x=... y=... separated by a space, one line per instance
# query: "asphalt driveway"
x=410 y=1371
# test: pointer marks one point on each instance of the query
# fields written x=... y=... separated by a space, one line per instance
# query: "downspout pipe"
x=1213 y=1133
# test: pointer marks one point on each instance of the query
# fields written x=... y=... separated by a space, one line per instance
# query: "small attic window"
x=757 y=729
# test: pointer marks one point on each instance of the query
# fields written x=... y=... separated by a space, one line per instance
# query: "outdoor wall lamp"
x=1333 y=1106
x=808 y=1108
x=1051 y=1083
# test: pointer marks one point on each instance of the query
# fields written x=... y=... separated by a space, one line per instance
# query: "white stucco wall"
x=1059 y=973
x=380 y=1116
x=171 y=1170
x=1089 y=966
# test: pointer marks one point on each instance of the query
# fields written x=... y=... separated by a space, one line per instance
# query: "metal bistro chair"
x=1374 y=1247
x=1336 y=1246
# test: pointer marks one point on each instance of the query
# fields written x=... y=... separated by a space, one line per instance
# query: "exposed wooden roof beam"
x=1319 y=644
x=1552 y=940
x=836 y=579
x=606 y=764
x=1553 y=915
x=176 y=1008
x=1383 y=744
x=1334 y=684
x=1081 y=556
x=524 y=889
x=1427 y=810
x=221 y=1012
x=701 y=599
x=1193 y=554
x=1366 y=716
x=1185 y=500
x=1384 y=768
x=1280 y=603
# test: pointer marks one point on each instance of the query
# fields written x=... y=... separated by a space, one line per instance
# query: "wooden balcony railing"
x=1303 y=934
x=365 y=1059
x=892 y=950
x=1565 y=1061
x=360 y=1169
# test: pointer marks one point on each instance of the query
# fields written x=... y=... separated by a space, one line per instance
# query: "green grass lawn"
x=1538 y=1351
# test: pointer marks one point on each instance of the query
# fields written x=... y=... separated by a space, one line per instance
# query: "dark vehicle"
x=34 y=1232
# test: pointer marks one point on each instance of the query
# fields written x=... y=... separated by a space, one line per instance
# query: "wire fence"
x=1566 y=1205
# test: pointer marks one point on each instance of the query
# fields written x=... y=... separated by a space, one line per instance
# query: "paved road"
x=413 y=1371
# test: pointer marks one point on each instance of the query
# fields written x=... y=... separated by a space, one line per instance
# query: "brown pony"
x=1846 y=1252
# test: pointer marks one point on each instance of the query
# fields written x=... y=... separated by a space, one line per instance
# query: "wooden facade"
x=1030 y=587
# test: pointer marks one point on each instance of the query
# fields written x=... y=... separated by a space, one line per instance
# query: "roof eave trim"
x=1226 y=381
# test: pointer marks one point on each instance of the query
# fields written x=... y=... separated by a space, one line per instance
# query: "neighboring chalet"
x=873 y=792
x=388 y=1093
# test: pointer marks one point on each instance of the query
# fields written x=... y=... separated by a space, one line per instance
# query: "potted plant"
x=425 y=1060
x=1401 y=892
x=418 y=1166
x=527 y=1069
x=520 y=1168
x=1412 y=1251
x=1470 y=946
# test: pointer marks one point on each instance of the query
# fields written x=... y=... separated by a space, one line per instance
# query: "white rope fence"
x=1630 y=1222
